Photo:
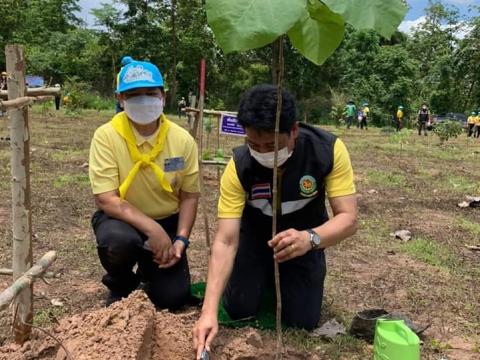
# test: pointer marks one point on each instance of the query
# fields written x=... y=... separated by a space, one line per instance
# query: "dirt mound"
x=122 y=331
x=131 y=329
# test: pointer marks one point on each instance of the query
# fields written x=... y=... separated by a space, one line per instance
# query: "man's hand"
x=204 y=331
x=160 y=244
x=289 y=244
x=175 y=253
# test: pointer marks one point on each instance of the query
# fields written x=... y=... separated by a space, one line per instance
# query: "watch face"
x=316 y=240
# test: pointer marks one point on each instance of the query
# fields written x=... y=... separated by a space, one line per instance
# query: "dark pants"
x=349 y=121
x=363 y=123
x=422 y=125
x=477 y=131
x=120 y=247
x=398 y=123
x=301 y=282
x=471 y=128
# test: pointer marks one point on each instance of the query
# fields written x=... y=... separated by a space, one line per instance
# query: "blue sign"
x=229 y=125
x=34 y=81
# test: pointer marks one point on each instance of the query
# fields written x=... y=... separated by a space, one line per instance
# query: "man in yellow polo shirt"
x=471 y=123
x=314 y=164
x=144 y=176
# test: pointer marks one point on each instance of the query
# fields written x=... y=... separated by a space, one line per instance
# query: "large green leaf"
x=384 y=16
x=248 y=24
x=319 y=34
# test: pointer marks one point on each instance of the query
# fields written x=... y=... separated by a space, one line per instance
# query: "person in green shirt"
x=350 y=111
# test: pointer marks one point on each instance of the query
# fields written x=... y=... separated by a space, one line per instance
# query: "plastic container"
x=395 y=341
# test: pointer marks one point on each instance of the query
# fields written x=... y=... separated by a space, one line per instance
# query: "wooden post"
x=21 y=207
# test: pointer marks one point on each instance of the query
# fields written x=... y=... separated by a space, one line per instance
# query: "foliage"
x=314 y=28
x=401 y=137
x=432 y=64
x=447 y=129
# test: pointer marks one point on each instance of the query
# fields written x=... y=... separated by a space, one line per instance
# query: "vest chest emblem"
x=261 y=191
x=308 y=186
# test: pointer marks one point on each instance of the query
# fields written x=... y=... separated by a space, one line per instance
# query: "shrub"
x=448 y=129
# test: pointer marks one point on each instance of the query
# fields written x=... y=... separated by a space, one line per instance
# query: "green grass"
x=50 y=315
x=387 y=179
x=334 y=350
x=459 y=184
x=374 y=231
x=430 y=252
x=471 y=227
x=66 y=180
x=69 y=155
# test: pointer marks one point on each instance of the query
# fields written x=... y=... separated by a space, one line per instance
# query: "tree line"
x=433 y=64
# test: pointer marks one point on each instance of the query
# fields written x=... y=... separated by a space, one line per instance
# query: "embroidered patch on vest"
x=308 y=186
x=261 y=191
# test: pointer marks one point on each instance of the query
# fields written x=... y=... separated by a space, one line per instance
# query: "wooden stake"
x=276 y=196
x=203 y=201
x=26 y=280
x=21 y=207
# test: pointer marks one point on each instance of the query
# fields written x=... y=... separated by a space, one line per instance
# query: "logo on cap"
x=137 y=73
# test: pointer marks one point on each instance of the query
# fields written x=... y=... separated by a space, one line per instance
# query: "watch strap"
x=182 y=239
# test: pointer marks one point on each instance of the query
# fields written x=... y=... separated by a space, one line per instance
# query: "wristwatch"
x=314 y=239
x=182 y=239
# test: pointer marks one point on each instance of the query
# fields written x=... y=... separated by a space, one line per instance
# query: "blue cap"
x=126 y=60
x=139 y=74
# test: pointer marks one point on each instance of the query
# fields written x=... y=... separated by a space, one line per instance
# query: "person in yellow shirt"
x=476 y=131
x=365 y=115
x=399 y=118
x=471 y=123
x=313 y=165
x=144 y=175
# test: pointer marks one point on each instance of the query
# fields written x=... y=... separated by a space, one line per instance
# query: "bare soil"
x=433 y=279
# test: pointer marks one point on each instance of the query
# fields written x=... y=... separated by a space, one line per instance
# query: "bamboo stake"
x=276 y=195
x=21 y=207
x=203 y=201
x=26 y=280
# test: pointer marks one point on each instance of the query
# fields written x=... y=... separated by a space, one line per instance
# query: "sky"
x=414 y=15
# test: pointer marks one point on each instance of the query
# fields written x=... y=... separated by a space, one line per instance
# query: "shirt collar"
x=140 y=139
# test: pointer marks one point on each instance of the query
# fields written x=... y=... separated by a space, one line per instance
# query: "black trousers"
x=301 y=281
x=120 y=247
x=471 y=128
x=422 y=125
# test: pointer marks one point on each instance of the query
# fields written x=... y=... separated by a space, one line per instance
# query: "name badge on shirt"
x=174 y=164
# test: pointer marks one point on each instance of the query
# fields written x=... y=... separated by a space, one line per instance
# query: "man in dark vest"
x=423 y=118
x=313 y=164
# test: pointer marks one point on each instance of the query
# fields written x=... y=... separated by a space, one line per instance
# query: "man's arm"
x=292 y=243
x=117 y=208
x=188 y=212
x=220 y=266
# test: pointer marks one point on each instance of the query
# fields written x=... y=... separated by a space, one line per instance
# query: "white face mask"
x=267 y=159
x=143 y=109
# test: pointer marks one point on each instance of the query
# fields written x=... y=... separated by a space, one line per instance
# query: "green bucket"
x=395 y=341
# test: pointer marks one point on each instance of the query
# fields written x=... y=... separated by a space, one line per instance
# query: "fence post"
x=21 y=207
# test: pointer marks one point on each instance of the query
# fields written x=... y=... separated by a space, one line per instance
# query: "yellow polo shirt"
x=471 y=119
x=477 y=120
x=110 y=163
x=338 y=183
